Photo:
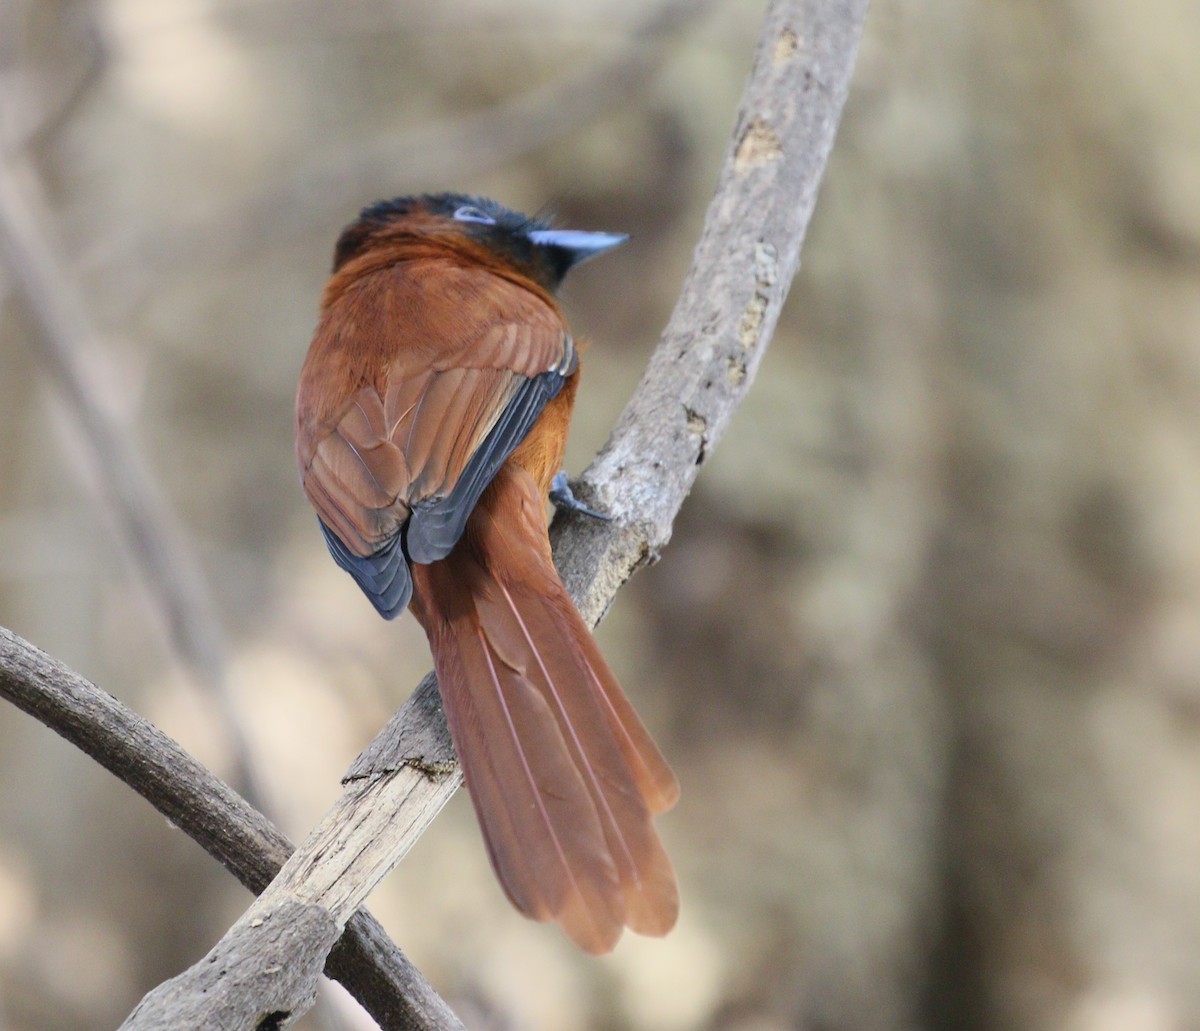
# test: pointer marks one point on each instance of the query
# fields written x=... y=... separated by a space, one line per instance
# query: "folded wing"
x=420 y=383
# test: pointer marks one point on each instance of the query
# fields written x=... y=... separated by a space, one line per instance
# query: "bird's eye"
x=467 y=213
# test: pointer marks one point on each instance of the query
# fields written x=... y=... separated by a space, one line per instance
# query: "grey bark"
x=365 y=960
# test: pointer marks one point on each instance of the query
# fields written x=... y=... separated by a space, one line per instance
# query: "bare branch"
x=370 y=966
x=700 y=372
x=60 y=335
x=39 y=92
x=62 y=340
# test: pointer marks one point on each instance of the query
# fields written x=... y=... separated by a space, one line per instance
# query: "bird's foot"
x=563 y=497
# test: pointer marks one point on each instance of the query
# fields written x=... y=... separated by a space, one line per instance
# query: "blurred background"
x=925 y=648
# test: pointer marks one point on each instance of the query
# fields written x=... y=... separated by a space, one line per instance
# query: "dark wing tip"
x=435 y=527
x=383 y=575
x=437 y=523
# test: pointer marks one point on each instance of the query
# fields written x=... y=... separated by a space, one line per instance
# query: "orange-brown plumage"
x=431 y=417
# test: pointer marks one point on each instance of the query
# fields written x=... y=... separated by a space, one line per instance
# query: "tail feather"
x=563 y=775
x=543 y=838
x=548 y=629
x=655 y=779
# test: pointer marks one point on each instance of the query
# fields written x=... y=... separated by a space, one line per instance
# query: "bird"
x=431 y=417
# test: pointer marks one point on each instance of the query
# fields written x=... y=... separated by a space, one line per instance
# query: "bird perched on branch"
x=431 y=419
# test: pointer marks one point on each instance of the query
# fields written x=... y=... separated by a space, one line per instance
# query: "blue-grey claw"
x=563 y=497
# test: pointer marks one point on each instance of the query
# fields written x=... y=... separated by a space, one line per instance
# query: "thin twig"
x=39 y=97
x=59 y=337
x=365 y=960
x=701 y=371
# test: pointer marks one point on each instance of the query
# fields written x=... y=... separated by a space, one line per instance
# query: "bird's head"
x=531 y=245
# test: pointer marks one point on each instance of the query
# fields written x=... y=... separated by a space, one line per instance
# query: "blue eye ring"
x=470 y=213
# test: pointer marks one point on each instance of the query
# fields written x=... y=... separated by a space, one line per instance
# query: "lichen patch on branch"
x=758 y=146
x=766 y=266
x=786 y=47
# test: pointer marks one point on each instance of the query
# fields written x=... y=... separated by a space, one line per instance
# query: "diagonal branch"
x=212 y=813
x=701 y=371
x=63 y=341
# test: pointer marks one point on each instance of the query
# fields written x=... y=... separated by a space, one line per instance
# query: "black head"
x=541 y=252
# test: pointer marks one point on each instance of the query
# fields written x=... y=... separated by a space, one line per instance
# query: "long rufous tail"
x=563 y=775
